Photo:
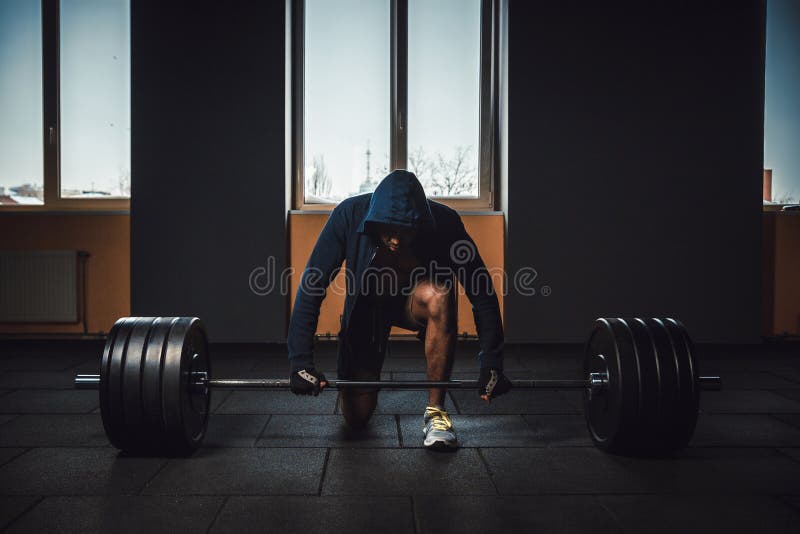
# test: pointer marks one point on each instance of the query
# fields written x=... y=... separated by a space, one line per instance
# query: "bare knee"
x=436 y=303
x=358 y=407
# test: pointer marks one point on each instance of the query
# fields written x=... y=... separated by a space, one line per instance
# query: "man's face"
x=396 y=238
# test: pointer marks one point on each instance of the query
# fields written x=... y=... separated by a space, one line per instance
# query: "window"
x=444 y=95
x=65 y=87
x=21 y=138
x=95 y=98
x=781 y=104
x=346 y=99
x=379 y=85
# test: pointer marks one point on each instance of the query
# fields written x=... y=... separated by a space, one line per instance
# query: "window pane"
x=346 y=106
x=444 y=95
x=21 y=139
x=95 y=98
x=782 y=103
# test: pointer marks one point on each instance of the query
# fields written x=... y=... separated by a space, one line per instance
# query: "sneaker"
x=439 y=432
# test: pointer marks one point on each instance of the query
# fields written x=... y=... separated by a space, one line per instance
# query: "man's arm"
x=477 y=282
x=322 y=267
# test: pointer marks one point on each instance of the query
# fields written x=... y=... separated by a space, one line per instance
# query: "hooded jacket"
x=441 y=240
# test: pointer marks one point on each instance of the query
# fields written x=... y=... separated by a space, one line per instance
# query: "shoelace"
x=439 y=419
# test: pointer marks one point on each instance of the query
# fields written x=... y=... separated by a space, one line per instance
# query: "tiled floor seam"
x=223 y=401
x=399 y=431
x=786 y=455
x=414 y=518
x=708 y=412
x=786 y=500
x=12 y=458
x=27 y=509
x=455 y=404
x=48 y=446
x=780 y=392
x=777 y=417
x=324 y=470
x=479 y=452
x=149 y=480
x=219 y=511
x=782 y=376
x=15 y=416
x=608 y=511
x=263 y=429
x=621 y=493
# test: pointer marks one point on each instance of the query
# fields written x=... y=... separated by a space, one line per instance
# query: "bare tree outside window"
x=785 y=198
x=445 y=175
x=319 y=184
x=421 y=164
x=456 y=174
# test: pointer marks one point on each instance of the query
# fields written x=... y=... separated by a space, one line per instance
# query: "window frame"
x=51 y=137
x=489 y=150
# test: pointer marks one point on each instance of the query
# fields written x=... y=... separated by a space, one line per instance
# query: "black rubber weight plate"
x=688 y=397
x=611 y=416
x=602 y=412
x=195 y=411
x=185 y=409
x=649 y=385
x=153 y=421
x=111 y=408
x=669 y=390
x=629 y=383
x=132 y=380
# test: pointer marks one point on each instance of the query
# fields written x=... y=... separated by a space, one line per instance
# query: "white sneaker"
x=439 y=432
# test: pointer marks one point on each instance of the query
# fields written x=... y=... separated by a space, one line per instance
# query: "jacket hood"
x=399 y=200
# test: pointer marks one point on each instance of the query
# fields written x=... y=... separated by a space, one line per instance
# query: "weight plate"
x=670 y=386
x=185 y=407
x=153 y=421
x=688 y=393
x=611 y=416
x=111 y=409
x=649 y=387
x=132 y=381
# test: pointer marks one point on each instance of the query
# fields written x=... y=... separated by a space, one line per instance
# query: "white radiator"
x=39 y=286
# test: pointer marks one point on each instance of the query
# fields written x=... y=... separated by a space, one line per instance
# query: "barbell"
x=641 y=391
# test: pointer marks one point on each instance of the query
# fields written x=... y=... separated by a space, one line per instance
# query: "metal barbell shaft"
x=267 y=383
x=93 y=382
x=87 y=381
x=597 y=380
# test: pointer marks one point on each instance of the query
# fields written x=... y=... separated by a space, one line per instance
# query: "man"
x=422 y=245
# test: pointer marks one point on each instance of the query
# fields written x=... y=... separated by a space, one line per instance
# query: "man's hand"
x=307 y=382
x=492 y=383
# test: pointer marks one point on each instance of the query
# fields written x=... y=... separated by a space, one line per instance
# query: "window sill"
x=92 y=206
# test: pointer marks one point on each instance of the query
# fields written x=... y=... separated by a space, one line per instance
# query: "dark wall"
x=208 y=202
x=635 y=147
x=635 y=137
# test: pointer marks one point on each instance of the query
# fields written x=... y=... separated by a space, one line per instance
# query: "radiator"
x=39 y=286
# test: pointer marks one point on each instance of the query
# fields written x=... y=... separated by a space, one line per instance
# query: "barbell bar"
x=640 y=395
x=596 y=382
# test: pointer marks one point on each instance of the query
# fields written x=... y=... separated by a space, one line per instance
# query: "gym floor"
x=277 y=463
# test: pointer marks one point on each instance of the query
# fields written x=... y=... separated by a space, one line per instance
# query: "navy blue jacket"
x=441 y=240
